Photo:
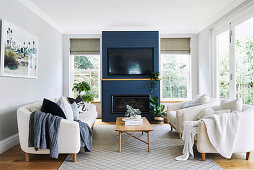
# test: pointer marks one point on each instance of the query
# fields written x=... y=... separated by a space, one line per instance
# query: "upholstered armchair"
x=177 y=115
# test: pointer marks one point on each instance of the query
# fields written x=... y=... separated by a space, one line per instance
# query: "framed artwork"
x=19 y=52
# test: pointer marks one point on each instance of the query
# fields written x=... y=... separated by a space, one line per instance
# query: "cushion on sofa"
x=79 y=102
x=66 y=107
x=233 y=105
x=51 y=107
x=202 y=99
x=204 y=112
x=74 y=107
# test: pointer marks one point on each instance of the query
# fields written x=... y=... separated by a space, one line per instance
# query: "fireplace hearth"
x=140 y=102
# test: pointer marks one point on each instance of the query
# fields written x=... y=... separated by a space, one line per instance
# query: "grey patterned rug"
x=165 y=146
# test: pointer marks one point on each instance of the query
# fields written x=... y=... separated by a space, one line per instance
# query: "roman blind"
x=175 y=45
x=85 y=46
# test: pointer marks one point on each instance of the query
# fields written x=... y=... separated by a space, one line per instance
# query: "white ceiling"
x=167 y=16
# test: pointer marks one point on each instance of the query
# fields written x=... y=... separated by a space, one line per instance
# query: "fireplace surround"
x=140 y=102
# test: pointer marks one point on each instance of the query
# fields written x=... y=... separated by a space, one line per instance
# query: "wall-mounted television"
x=130 y=61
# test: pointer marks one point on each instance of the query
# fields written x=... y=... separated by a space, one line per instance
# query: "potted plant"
x=84 y=90
x=157 y=109
x=154 y=79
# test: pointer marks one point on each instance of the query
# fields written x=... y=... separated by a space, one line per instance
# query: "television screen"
x=130 y=61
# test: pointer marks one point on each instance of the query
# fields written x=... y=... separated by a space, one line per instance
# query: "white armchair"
x=177 y=115
x=69 y=132
x=245 y=138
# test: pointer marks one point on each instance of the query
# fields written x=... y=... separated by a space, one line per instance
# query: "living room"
x=126 y=84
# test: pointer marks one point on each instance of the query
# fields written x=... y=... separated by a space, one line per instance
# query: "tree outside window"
x=87 y=68
x=175 y=73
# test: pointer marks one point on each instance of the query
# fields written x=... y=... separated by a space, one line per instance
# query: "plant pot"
x=159 y=120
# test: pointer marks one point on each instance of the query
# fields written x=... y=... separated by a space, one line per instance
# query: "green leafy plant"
x=83 y=86
x=157 y=109
x=154 y=80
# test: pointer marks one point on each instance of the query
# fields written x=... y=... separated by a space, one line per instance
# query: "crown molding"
x=35 y=9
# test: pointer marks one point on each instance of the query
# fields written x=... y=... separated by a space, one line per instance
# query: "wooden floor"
x=15 y=159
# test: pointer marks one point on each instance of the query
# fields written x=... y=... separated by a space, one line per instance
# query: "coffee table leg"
x=120 y=141
x=148 y=141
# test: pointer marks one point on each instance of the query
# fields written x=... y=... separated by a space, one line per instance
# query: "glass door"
x=235 y=62
x=222 y=53
x=243 y=60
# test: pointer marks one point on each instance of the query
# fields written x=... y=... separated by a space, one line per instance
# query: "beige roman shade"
x=175 y=45
x=85 y=46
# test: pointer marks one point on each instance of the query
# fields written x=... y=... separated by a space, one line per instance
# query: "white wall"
x=15 y=92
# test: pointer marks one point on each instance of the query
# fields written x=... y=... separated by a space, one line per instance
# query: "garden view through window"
x=87 y=68
x=174 y=73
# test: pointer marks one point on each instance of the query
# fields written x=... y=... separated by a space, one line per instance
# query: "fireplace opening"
x=140 y=102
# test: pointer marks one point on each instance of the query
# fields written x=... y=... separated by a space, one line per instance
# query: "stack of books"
x=133 y=122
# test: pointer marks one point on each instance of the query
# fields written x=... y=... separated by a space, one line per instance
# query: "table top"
x=120 y=126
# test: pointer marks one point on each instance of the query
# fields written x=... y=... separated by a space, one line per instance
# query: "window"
x=87 y=68
x=175 y=76
x=234 y=52
x=175 y=68
x=85 y=63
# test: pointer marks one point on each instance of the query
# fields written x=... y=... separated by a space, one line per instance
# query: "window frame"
x=188 y=79
x=230 y=25
x=99 y=73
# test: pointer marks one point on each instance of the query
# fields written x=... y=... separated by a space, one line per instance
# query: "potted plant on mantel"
x=157 y=109
x=84 y=90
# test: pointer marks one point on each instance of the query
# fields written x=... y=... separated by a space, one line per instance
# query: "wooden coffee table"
x=120 y=127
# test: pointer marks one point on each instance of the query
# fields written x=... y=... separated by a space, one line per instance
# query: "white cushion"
x=202 y=99
x=66 y=107
x=204 y=112
x=233 y=105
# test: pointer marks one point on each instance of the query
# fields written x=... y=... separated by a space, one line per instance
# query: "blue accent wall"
x=126 y=39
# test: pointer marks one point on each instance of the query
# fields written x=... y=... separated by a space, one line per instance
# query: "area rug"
x=165 y=146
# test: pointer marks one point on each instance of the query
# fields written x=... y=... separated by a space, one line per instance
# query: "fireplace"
x=140 y=102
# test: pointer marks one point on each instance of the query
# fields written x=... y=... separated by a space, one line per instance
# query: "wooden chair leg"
x=92 y=125
x=180 y=135
x=74 y=157
x=26 y=157
x=203 y=156
x=248 y=155
x=171 y=128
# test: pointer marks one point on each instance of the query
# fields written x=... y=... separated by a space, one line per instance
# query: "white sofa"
x=69 y=132
x=177 y=115
x=245 y=136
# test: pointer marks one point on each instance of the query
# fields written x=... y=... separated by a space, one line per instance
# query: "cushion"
x=190 y=103
x=233 y=105
x=75 y=110
x=202 y=99
x=66 y=107
x=204 y=112
x=51 y=107
x=79 y=102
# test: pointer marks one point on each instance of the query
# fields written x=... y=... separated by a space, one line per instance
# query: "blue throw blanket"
x=43 y=132
x=86 y=135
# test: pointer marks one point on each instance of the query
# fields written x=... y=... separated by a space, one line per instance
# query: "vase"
x=159 y=120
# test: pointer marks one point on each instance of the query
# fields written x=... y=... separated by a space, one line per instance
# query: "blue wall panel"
x=126 y=39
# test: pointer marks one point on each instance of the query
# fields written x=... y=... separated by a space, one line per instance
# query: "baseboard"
x=8 y=143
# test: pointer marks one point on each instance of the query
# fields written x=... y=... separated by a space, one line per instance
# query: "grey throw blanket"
x=43 y=132
x=86 y=135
